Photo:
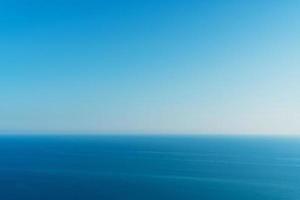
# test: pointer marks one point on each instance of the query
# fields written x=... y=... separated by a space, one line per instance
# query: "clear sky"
x=150 y=66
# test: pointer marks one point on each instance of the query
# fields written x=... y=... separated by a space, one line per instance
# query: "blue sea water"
x=132 y=167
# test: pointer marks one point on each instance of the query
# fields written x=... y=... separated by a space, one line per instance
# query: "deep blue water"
x=149 y=167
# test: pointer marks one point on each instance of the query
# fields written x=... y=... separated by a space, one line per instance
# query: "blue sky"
x=150 y=66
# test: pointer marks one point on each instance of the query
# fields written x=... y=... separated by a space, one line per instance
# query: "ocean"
x=132 y=167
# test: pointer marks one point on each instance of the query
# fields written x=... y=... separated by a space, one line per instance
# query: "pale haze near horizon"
x=150 y=66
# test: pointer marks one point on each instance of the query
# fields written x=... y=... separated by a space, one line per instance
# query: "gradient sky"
x=150 y=66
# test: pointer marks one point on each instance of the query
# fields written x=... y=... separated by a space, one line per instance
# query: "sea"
x=148 y=167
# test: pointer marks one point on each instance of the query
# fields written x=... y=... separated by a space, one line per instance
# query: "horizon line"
x=140 y=133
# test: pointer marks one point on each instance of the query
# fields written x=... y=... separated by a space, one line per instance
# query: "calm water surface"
x=149 y=167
